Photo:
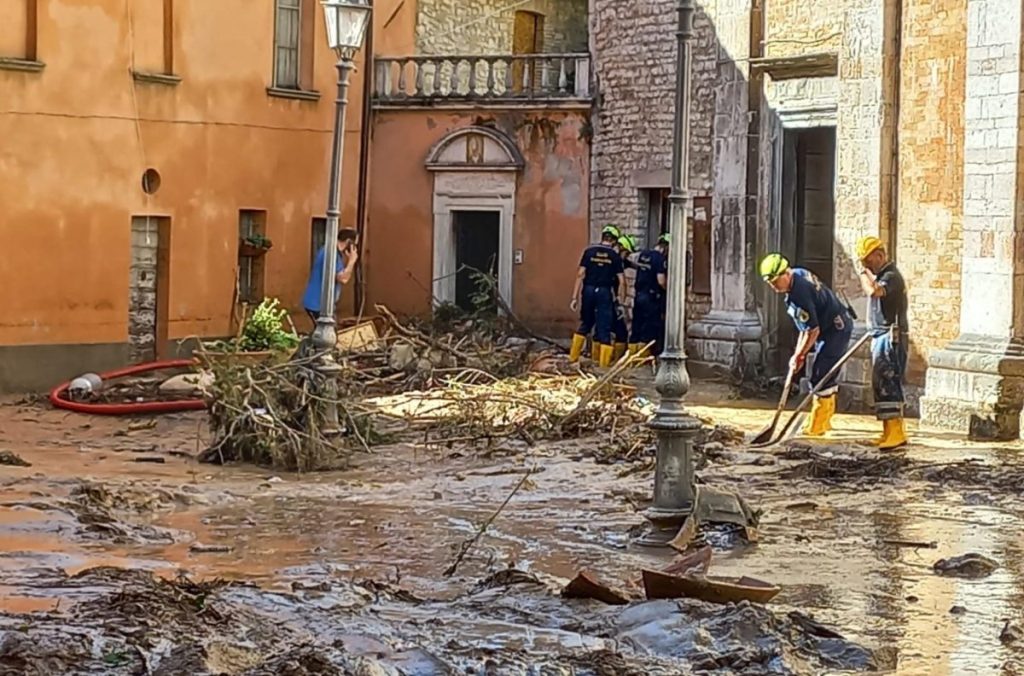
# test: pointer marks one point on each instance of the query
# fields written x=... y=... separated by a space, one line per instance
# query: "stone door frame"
x=445 y=205
x=475 y=169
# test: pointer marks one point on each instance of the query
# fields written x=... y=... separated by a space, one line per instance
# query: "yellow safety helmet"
x=628 y=243
x=867 y=245
x=772 y=266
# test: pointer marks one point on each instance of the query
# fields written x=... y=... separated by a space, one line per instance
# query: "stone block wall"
x=796 y=27
x=931 y=158
x=485 y=26
x=634 y=50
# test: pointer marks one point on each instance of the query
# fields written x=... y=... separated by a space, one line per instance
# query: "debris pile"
x=463 y=381
x=127 y=622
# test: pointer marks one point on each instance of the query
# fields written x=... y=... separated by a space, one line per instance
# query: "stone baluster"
x=563 y=77
x=472 y=77
x=509 y=77
x=418 y=65
x=402 y=82
x=453 y=85
x=490 y=76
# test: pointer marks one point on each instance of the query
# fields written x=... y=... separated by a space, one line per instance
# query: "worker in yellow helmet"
x=825 y=325
x=887 y=293
x=598 y=280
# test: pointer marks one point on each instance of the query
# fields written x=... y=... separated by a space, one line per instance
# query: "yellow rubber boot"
x=617 y=351
x=634 y=348
x=576 y=349
x=604 y=354
x=894 y=435
x=829 y=404
x=815 y=425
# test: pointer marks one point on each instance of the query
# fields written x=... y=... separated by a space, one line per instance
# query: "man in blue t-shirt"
x=348 y=254
x=649 y=296
x=599 y=279
x=824 y=324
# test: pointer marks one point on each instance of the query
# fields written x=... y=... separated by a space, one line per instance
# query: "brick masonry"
x=931 y=162
x=634 y=48
x=976 y=383
x=485 y=26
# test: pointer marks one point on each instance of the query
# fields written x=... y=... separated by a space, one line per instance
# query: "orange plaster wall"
x=78 y=136
x=551 y=219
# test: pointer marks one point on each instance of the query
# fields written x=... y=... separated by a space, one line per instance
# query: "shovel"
x=803 y=404
x=768 y=432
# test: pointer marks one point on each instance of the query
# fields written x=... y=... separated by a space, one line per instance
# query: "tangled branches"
x=269 y=413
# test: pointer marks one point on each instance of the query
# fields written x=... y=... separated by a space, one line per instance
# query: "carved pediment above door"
x=475 y=149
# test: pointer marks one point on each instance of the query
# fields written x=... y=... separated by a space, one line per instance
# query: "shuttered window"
x=286 y=44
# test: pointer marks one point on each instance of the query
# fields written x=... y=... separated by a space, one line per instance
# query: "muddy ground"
x=121 y=555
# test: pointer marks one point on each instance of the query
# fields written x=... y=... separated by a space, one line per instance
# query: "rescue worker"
x=649 y=297
x=594 y=295
x=824 y=324
x=887 y=314
x=620 y=330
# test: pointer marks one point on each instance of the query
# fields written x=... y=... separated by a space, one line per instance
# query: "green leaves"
x=264 y=330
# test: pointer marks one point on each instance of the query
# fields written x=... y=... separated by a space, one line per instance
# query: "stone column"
x=729 y=336
x=976 y=383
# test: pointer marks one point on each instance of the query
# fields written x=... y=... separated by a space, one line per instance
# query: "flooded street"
x=850 y=535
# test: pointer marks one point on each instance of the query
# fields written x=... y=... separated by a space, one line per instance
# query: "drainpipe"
x=894 y=167
x=755 y=89
x=365 y=132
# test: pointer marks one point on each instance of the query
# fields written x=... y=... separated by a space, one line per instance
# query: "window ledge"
x=156 y=78
x=27 y=65
x=300 y=94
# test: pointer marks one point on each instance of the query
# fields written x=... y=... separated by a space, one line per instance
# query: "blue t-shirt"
x=603 y=265
x=311 y=299
x=649 y=265
x=812 y=305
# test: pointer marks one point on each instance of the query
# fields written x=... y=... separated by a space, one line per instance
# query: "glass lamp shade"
x=346 y=24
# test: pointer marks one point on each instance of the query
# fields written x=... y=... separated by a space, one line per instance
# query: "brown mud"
x=341 y=572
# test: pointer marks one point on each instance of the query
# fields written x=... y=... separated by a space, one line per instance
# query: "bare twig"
x=468 y=544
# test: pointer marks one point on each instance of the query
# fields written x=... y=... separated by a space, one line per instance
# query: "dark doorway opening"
x=808 y=215
x=477 y=237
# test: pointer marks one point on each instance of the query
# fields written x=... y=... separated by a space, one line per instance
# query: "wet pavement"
x=845 y=532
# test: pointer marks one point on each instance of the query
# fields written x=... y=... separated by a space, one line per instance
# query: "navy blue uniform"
x=602 y=266
x=812 y=305
x=648 y=299
x=888 y=315
x=619 y=329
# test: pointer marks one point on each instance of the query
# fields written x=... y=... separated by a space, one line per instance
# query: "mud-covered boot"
x=618 y=351
x=604 y=354
x=830 y=410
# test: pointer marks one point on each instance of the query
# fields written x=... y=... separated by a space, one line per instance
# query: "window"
x=152 y=27
x=700 y=247
x=286 y=44
x=657 y=209
x=18 y=35
x=317 y=238
x=252 y=246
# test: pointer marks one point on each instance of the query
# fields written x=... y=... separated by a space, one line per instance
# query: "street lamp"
x=346 y=25
x=675 y=492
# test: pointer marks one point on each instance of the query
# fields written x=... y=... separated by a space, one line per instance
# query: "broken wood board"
x=713 y=589
x=358 y=338
x=586 y=586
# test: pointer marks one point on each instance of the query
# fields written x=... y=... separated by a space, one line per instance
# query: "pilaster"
x=976 y=383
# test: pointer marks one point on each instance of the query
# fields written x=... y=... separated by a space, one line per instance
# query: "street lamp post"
x=346 y=25
x=675 y=492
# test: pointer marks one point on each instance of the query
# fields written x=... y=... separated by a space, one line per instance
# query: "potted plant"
x=254 y=245
x=263 y=337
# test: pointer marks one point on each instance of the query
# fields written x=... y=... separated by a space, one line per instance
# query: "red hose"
x=130 y=409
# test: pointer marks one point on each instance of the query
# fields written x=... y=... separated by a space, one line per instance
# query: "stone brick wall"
x=931 y=191
x=796 y=27
x=634 y=47
x=485 y=26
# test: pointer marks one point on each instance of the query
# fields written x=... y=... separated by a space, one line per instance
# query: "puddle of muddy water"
x=401 y=515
